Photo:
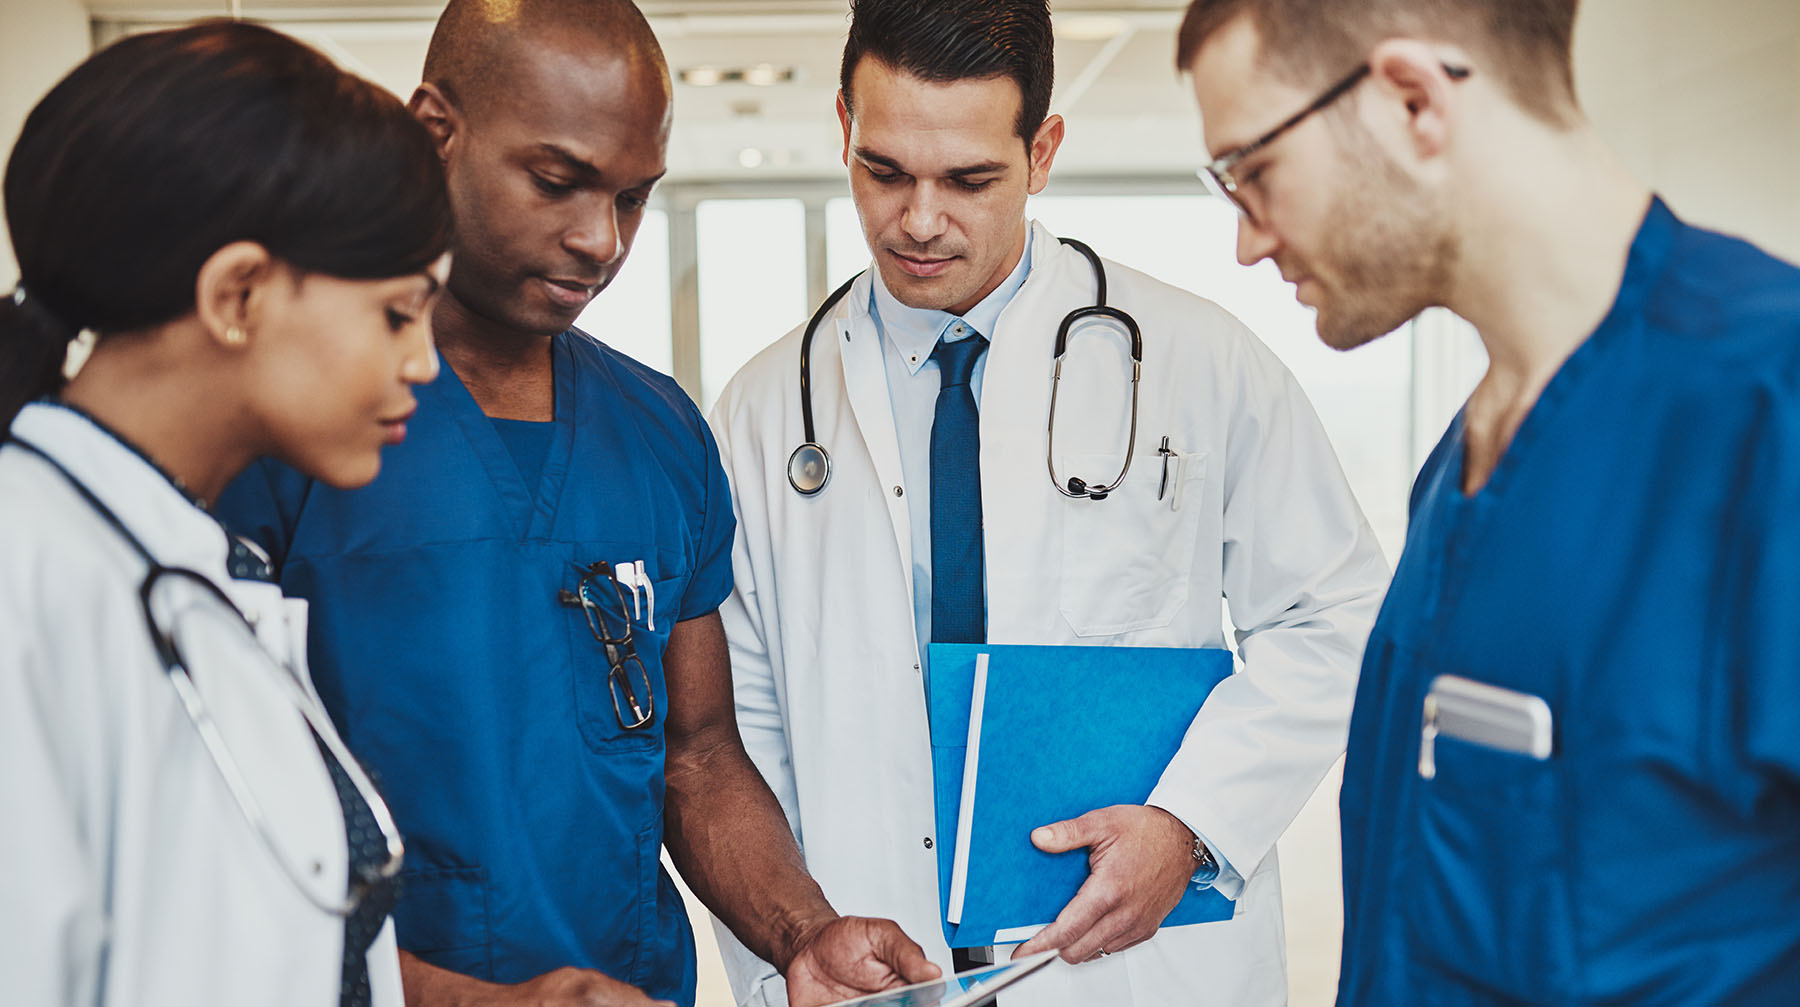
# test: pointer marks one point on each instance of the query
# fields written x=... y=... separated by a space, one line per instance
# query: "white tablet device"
x=965 y=989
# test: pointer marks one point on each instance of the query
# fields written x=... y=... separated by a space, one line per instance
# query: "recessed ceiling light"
x=1090 y=27
x=762 y=75
x=701 y=76
x=750 y=157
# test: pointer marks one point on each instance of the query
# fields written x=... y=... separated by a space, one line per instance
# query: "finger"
x=1091 y=903
x=1107 y=934
x=1066 y=835
x=903 y=955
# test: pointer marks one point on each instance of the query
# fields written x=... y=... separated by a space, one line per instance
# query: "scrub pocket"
x=1484 y=889
x=443 y=918
x=603 y=727
x=1126 y=559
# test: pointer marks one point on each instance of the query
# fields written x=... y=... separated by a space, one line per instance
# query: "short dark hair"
x=1529 y=42
x=952 y=40
x=163 y=148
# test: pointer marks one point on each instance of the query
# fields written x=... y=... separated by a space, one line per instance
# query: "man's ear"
x=1043 y=153
x=229 y=291
x=843 y=111
x=442 y=119
x=1413 y=78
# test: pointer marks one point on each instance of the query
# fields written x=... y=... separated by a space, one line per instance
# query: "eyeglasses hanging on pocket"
x=601 y=598
x=1482 y=714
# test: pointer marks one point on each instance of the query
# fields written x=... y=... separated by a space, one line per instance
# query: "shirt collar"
x=156 y=511
x=915 y=332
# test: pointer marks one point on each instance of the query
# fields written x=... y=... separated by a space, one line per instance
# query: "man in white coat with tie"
x=927 y=390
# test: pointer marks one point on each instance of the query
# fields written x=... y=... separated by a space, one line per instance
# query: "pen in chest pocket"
x=635 y=575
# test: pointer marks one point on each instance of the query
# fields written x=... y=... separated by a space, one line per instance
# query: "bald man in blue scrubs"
x=516 y=625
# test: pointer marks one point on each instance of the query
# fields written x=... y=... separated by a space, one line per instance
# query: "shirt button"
x=928 y=842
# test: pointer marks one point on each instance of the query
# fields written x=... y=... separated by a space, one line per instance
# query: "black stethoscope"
x=169 y=653
x=809 y=467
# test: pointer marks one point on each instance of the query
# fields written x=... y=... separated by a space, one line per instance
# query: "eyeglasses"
x=1220 y=174
x=627 y=680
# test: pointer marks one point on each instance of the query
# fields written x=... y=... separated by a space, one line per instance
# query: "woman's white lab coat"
x=829 y=692
x=129 y=876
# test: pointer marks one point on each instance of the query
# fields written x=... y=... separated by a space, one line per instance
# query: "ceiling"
x=1127 y=112
x=1115 y=76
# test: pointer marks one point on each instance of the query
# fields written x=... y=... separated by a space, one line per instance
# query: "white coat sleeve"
x=1304 y=578
x=52 y=928
x=754 y=982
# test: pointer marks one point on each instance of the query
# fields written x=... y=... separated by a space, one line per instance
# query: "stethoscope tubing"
x=809 y=466
x=198 y=714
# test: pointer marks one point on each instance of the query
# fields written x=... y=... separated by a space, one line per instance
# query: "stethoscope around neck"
x=168 y=652
x=809 y=467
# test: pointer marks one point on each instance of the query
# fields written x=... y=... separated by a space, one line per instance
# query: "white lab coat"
x=824 y=656
x=130 y=876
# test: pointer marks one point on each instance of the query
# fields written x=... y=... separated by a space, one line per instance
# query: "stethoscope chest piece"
x=809 y=469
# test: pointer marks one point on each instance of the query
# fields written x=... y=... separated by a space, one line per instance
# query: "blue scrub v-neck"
x=533 y=507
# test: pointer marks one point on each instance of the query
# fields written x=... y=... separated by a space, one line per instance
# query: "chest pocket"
x=1487 y=900
x=609 y=701
x=1126 y=560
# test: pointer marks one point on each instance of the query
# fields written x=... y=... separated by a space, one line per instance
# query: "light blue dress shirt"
x=908 y=335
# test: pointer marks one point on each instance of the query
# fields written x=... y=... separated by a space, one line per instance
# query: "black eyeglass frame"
x=1219 y=170
x=622 y=661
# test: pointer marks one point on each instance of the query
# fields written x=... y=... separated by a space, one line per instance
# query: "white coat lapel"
x=865 y=383
x=1021 y=524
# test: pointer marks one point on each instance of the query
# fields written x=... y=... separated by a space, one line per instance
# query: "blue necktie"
x=958 y=568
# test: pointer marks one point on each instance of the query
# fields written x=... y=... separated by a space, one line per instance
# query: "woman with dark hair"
x=228 y=249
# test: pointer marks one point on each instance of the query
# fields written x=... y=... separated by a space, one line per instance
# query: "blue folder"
x=1064 y=730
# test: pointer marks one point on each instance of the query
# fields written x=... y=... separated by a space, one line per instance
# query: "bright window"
x=752 y=264
x=632 y=314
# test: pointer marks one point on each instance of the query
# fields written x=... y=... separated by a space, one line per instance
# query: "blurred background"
x=754 y=224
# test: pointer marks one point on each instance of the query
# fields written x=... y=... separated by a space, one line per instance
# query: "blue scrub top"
x=1634 y=561
x=533 y=820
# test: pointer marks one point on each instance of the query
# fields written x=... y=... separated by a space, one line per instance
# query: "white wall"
x=40 y=40
x=1702 y=100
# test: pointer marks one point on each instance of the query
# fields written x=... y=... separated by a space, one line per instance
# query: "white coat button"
x=899 y=492
x=928 y=842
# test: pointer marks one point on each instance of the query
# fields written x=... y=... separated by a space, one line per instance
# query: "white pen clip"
x=643 y=576
x=626 y=573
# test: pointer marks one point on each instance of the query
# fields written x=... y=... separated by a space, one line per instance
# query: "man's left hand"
x=1139 y=862
x=850 y=956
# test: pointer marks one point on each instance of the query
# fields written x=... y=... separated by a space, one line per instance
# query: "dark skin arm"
x=430 y=986
x=730 y=840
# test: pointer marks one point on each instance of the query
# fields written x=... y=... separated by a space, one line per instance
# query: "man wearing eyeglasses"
x=517 y=625
x=930 y=385
x=1574 y=763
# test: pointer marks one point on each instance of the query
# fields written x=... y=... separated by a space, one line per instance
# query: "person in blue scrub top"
x=1574 y=763
x=517 y=624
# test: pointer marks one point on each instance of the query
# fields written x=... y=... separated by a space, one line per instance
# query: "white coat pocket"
x=1127 y=559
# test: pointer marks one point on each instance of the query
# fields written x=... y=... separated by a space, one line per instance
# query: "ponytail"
x=33 y=344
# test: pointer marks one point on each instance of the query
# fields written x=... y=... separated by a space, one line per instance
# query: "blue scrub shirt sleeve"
x=263 y=505
x=710 y=585
x=1762 y=613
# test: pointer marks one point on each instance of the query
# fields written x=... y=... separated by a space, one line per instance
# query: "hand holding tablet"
x=965 y=989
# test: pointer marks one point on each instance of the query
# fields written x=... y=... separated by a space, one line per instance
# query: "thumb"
x=1063 y=836
x=904 y=956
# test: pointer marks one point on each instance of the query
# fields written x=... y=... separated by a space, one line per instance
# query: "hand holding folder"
x=1026 y=736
